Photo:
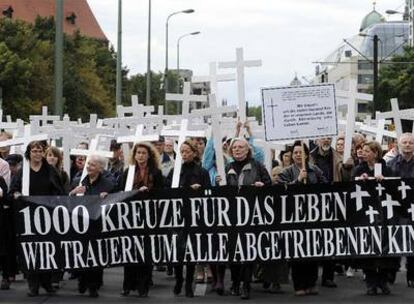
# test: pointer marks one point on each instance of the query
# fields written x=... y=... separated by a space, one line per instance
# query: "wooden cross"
x=240 y=64
x=182 y=134
x=38 y=121
x=349 y=98
x=216 y=114
x=395 y=114
x=186 y=98
x=136 y=109
x=24 y=142
x=93 y=150
x=136 y=138
x=213 y=78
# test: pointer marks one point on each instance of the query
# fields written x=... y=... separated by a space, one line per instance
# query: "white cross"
x=182 y=134
x=395 y=114
x=44 y=118
x=380 y=188
x=371 y=213
x=213 y=78
x=93 y=150
x=186 y=98
x=216 y=114
x=358 y=195
x=411 y=210
x=240 y=64
x=350 y=100
x=389 y=204
x=94 y=127
x=8 y=124
x=136 y=109
x=24 y=142
x=138 y=137
x=403 y=188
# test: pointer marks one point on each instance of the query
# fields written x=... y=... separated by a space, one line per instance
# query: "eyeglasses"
x=36 y=151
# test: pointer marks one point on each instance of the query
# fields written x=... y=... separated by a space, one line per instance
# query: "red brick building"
x=77 y=14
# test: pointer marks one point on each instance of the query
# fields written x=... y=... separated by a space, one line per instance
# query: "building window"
x=365 y=79
x=71 y=18
x=362 y=108
x=8 y=12
x=364 y=65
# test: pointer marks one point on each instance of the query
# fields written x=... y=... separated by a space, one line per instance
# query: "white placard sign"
x=299 y=112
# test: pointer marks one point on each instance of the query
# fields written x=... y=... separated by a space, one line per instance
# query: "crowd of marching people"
x=322 y=162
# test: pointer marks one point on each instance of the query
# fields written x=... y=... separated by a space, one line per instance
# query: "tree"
x=27 y=70
x=397 y=81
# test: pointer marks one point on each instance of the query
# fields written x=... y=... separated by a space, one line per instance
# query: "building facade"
x=353 y=58
x=77 y=15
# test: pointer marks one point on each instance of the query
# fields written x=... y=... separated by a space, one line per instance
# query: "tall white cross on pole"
x=186 y=98
x=216 y=113
x=350 y=99
x=240 y=64
x=182 y=134
x=136 y=109
x=213 y=78
x=395 y=114
x=138 y=137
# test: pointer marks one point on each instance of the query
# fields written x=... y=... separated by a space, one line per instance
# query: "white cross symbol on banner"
x=358 y=195
x=379 y=188
x=371 y=213
x=411 y=211
x=389 y=204
x=403 y=188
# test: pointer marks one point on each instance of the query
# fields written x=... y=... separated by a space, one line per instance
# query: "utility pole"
x=375 y=71
x=119 y=57
x=59 y=58
x=148 y=95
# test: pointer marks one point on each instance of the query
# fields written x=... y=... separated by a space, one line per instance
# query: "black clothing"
x=139 y=277
x=399 y=167
x=191 y=173
x=324 y=162
x=100 y=185
x=48 y=173
x=93 y=279
x=46 y=181
x=364 y=168
x=245 y=173
x=304 y=274
x=376 y=269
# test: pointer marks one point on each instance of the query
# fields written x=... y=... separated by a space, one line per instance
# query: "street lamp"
x=187 y=11
x=178 y=54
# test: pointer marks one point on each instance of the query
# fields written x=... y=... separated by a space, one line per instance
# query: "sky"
x=287 y=35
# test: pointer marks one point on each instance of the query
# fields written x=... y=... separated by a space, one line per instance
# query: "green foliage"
x=397 y=81
x=256 y=112
x=27 y=70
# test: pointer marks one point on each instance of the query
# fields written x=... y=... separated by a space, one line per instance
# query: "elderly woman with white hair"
x=95 y=183
x=244 y=171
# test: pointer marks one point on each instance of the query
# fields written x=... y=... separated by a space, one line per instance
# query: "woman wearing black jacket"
x=95 y=183
x=377 y=270
x=192 y=176
x=44 y=180
x=148 y=176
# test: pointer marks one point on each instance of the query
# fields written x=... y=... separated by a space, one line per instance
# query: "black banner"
x=219 y=225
